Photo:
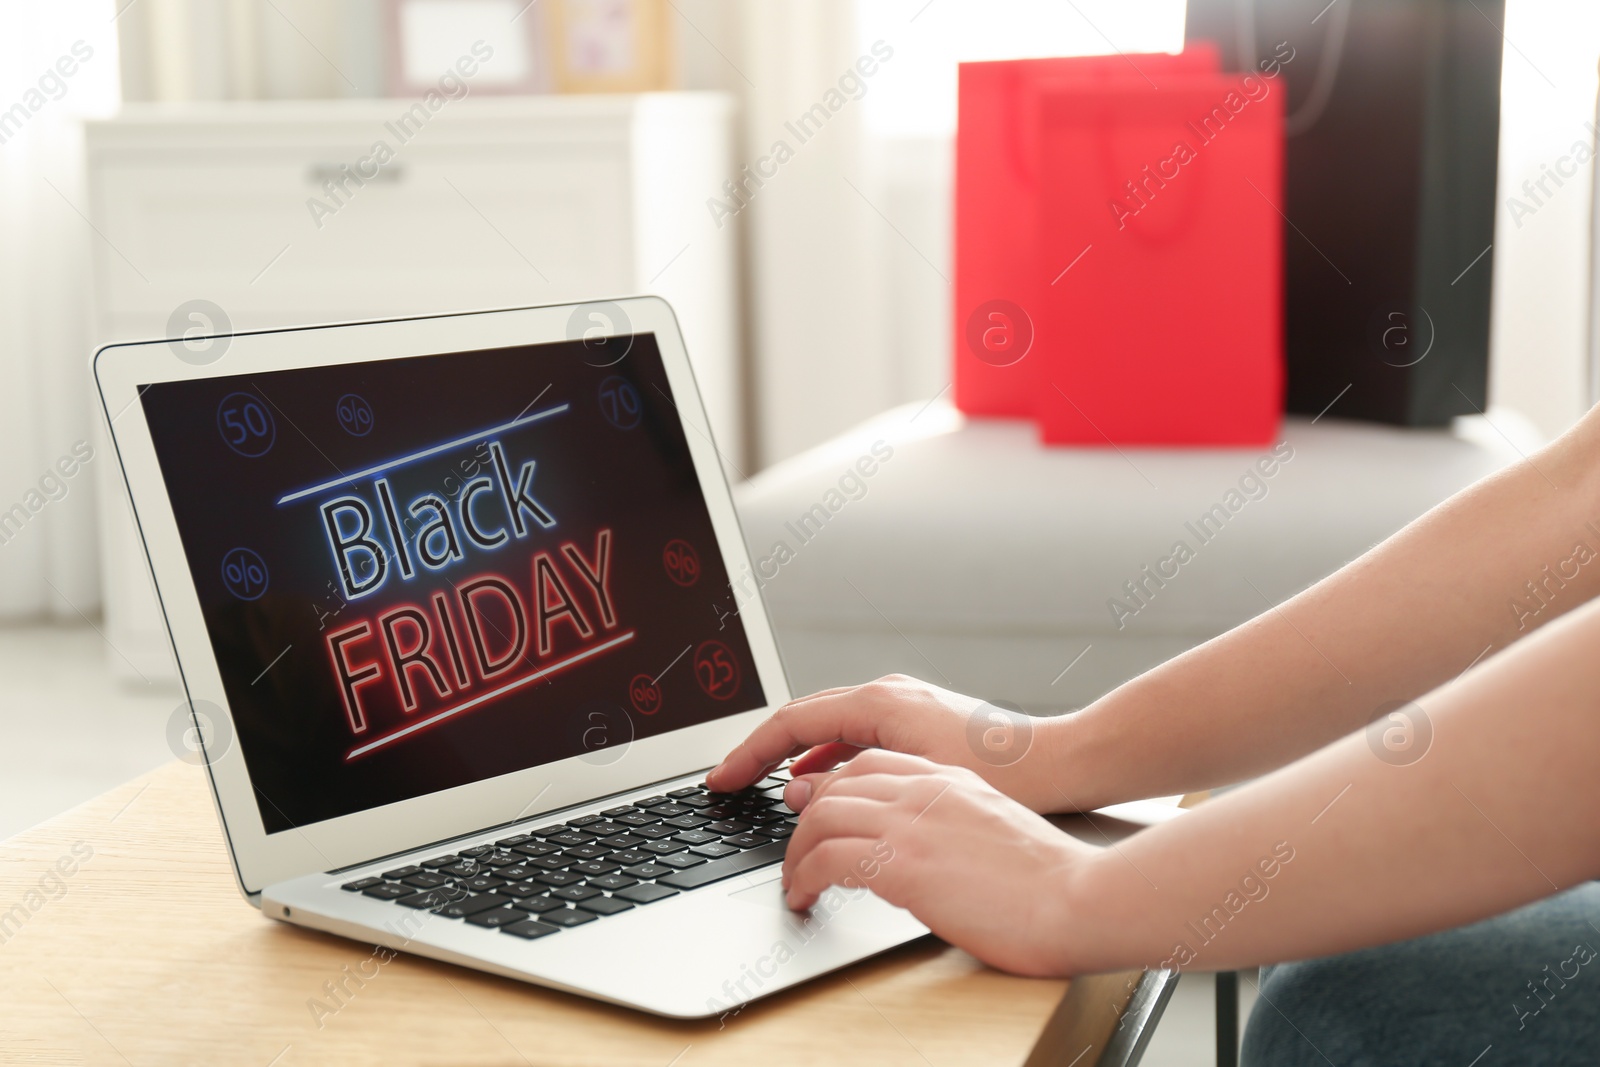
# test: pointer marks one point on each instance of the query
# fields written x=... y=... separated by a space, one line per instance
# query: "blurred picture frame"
x=611 y=46
x=503 y=43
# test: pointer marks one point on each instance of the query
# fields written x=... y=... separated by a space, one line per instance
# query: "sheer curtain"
x=58 y=64
x=814 y=236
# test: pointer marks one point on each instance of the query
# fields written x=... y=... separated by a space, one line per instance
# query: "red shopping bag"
x=1168 y=328
x=998 y=194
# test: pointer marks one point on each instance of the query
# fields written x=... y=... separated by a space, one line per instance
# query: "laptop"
x=450 y=600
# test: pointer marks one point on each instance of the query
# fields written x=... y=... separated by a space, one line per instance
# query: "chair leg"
x=1227 y=1019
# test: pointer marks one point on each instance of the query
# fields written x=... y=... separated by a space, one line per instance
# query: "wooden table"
x=146 y=954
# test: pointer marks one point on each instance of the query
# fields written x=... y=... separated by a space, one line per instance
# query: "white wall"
x=1541 y=300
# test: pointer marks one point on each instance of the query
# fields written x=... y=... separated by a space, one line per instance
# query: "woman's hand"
x=980 y=870
x=1006 y=749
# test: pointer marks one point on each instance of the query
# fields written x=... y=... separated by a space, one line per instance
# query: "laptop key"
x=648 y=870
x=629 y=856
x=538 y=905
x=385 y=891
x=574 y=892
x=638 y=818
x=687 y=791
x=518 y=890
x=400 y=873
x=497 y=917
x=649 y=802
x=432 y=898
x=550 y=831
x=517 y=874
x=621 y=809
x=483 y=883
x=697 y=802
x=595 y=867
x=612 y=882
x=663 y=848
x=770 y=783
x=548 y=863
x=586 y=852
x=681 y=860
x=686 y=822
x=477 y=851
x=582 y=820
x=728 y=826
x=460 y=909
x=605 y=905
x=748 y=840
x=440 y=861
x=463 y=869
x=620 y=841
x=714 y=850
x=361 y=883
x=568 y=917
x=659 y=830
x=646 y=894
x=514 y=840
x=571 y=837
x=530 y=929
x=604 y=829
x=726 y=867
x=697 y=837
x=535 y=848
x=781 y=829
x=426 y=880
x=559 y=878
x=669 y=809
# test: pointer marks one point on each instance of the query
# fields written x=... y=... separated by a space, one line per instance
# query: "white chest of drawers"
x=483 y=203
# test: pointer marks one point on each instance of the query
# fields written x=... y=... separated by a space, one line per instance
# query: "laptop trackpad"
x=767 y=893
x=836 y=905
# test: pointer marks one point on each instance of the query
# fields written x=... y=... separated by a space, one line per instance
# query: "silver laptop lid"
x=423 y=567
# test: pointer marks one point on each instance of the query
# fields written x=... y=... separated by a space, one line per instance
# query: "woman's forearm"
x=1346 y=849
x=1404 y=618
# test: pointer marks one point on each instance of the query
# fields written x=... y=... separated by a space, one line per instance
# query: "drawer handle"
x=352 y=177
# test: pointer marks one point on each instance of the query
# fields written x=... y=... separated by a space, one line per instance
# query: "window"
x=916 y=94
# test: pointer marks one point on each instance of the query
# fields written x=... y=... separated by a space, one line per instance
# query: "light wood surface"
x=147 y=954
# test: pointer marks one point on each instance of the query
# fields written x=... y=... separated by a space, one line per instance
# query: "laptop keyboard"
x=534 y=884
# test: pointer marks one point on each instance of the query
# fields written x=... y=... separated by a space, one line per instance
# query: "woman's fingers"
x=882 y=785
x=824 y=758
x=838 y=816
x=871 y=805
x=843 y=715
x=848 y=861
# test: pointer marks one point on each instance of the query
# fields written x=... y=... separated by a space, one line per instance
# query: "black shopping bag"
x=1393 y=132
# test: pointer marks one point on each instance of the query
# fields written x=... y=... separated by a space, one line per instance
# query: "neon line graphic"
x=543 y=672
x=469 y=439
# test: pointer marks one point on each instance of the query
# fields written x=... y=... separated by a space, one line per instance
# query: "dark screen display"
x=424 y=572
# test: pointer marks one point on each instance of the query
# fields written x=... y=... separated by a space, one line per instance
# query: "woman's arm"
x=1404 y=618
x=1504 y=808
x=1341 y=850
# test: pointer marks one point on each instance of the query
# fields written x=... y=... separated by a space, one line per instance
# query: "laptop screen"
x=424 y=572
